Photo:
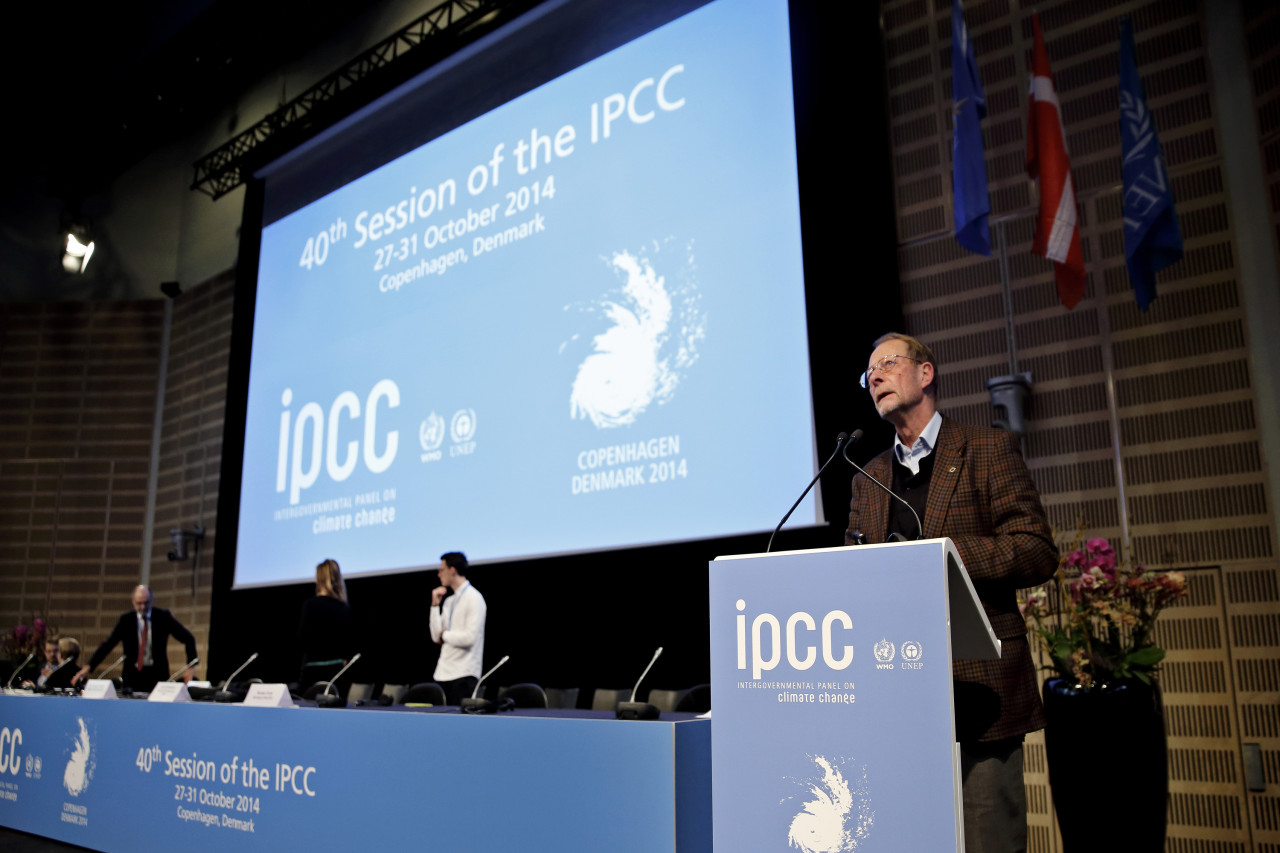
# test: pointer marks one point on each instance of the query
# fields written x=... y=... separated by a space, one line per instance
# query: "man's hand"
x=437 y=595
x=186 y=676
x=84 y=671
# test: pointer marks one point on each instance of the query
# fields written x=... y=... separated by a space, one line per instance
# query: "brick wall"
x=78 y=386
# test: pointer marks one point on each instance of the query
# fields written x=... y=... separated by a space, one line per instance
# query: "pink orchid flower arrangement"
x=24 y=639
x=1095 y=618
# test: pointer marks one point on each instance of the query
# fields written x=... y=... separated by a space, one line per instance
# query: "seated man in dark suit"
x=144 y=634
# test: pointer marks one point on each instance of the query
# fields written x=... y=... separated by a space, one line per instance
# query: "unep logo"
x=463 y=425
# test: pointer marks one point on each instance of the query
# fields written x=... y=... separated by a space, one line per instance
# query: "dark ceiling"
x=95 y=87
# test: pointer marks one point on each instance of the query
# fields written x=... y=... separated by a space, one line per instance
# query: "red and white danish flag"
x=1057 y=231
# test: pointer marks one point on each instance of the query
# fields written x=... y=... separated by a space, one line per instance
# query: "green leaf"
x=1147 y=657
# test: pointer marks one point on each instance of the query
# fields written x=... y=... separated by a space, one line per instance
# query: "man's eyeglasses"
x=886 y=365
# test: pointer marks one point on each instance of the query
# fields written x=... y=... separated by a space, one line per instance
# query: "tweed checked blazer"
x=982 y=497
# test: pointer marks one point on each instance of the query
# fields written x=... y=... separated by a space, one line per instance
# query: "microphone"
x=634 y=710
x=9 y=684
x=119 y=661
x=225 y=695
x=475 y=705
x=327 y=699
x=190 y=664
x=840 y=442
x=893 y=537
x=46 y=688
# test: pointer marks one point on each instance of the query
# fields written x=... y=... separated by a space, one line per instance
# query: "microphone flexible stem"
x=654 y=660
x=253 y=657
x=119 y=661
x=890 y=492
x=329 y=684
x=840 y=442
x=19 y=669
x=492 y=669
x=190 y=664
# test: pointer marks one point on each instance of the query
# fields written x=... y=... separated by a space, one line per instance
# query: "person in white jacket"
x=457 y=625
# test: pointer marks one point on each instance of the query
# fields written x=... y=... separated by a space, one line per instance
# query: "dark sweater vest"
x=915 y=491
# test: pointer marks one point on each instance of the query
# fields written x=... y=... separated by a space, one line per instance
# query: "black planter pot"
x=1108 y=765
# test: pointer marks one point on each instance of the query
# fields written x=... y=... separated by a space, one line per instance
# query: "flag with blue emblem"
x=969 y=169
x=1152 y=239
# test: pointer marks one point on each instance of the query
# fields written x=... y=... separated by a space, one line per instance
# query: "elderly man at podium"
x=970 y=484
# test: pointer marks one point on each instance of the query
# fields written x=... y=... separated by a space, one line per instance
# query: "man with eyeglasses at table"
x=970 y=484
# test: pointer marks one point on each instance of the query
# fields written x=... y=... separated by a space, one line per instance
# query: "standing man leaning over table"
x=144 y=634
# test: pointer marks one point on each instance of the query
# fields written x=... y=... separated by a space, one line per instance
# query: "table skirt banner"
x=135 y=776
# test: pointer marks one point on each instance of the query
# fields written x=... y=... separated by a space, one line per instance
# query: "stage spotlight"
x=76 y=255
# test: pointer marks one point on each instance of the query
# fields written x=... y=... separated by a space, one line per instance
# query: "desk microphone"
x=190 y=664
x=840 y=443
x=46 y=688
x=634 y=710
x=119 y=661
x=475 y=705
x=225 y=695
x=894 y=537
x=327 y=699
x=9 y=684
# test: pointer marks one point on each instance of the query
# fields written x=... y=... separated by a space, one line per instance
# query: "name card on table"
x=169 y=691
x=99 y=688
x=269 y=696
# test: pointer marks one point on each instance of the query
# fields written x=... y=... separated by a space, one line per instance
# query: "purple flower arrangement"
x=24 y=639
x=1095 y=618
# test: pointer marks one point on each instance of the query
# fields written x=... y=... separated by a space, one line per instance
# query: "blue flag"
x=1152 y=239
x=969 y=170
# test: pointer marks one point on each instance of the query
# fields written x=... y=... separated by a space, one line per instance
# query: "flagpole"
x=1009 y=331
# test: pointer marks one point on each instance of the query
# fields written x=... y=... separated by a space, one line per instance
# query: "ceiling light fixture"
x=77 y=254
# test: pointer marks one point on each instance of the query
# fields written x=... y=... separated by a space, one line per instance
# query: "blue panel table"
x=132 y=776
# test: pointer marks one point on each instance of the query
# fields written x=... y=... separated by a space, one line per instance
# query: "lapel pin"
x=953 y=470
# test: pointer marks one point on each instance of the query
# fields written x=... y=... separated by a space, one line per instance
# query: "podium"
x=834 y=727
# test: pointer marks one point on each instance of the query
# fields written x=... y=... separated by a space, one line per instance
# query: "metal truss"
x=428 y=39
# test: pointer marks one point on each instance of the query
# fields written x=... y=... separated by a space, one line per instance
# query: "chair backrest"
x=607 y=700
x=696 y=700
x=524 y=695
x=426 y=693
x=395 y=691
x=664 y=700
x=562 y=697
x=316 y=689
x=359 y=691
